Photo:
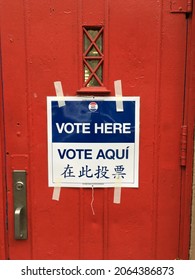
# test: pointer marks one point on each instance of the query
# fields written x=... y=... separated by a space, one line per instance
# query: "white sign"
x=91 y=144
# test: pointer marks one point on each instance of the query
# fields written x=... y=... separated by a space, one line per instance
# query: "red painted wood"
x=133 y=59
x=145 y=47
x=15 y=108
x=171 y=94
x=181 y=6
x=3 y=240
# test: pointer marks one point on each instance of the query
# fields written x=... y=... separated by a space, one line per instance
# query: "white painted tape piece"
x=119 y=108
x=61 y=103
x=119 y=96
x=117 y=195
x=56 y=193
x=59 y=92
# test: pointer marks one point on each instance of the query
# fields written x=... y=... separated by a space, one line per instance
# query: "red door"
x=88 y=45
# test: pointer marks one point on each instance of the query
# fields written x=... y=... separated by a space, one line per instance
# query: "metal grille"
x=93 y=56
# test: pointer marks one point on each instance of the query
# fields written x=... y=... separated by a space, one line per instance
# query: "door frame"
x=187 y=216
x=189 y=200
x=192 y=241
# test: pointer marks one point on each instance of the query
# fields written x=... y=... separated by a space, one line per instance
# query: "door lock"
x=20 y=204
x=19 y=185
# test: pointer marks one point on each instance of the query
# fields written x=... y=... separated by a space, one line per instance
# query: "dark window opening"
x=93 y=56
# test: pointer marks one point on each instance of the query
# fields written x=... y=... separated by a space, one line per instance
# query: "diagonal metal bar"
x=93 y=72
x=93 y=42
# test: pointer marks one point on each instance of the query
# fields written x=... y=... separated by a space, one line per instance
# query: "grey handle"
x=20 y=204
x=18 y=219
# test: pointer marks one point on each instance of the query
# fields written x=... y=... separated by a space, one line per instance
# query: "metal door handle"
x=20 y=205
x=18 y=222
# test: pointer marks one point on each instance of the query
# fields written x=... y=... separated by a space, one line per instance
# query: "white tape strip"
x=119 y=96
x=59 y=92
x=61 y=103
x=119 y=108
x=56 y=193
x=117 y=195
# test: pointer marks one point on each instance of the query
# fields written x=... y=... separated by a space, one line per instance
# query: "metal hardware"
x=183 y=151
x=19 y=185
x=181 y=6
x=20 y=205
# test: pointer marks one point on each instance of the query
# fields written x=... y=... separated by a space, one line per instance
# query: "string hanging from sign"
x=92 y=200
x=61 y=103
